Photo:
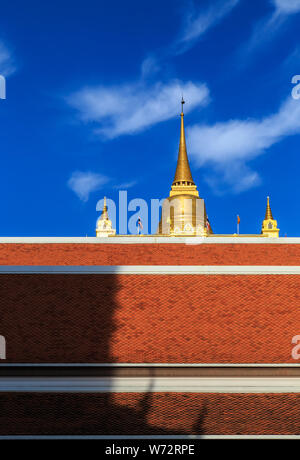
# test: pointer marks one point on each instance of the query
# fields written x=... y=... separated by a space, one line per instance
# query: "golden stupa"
x=269 y=225
x=104 y=224
x=183 y=212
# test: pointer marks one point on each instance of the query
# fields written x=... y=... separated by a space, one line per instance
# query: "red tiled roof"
x=149 y=254
x=149 y=414
x=150 y=318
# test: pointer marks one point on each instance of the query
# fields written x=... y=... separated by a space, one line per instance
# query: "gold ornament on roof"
x=104 y=224
x=183 y=212
x=269 y=225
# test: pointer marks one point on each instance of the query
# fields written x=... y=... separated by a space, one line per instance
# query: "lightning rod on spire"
x=182 y=102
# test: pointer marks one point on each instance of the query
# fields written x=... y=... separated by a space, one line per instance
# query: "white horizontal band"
x=153 y=269
x=149 y=239
x=153 y=436
x=152 y=384
x=3 y=364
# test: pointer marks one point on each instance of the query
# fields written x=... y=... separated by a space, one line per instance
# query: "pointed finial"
x=268 y=210
x=269 y=225
x=104 y=214
x=182 y=102
x=183 y=173
x=104 y=224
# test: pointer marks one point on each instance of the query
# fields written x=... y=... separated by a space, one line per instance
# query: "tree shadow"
x=67 y=318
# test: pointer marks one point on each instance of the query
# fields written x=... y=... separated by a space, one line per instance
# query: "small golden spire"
x=104 y=224
x=269 y=225
x=268 y=210
x=183 y=175
x=104 y=214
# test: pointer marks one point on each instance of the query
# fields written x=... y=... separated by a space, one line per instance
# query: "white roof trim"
x=131 y=239
x=153 y=269
x=154 y=436
x=152 y=384
x=3 y=364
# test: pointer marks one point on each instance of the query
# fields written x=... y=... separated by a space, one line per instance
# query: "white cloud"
x=7 y=65
x=150 y=66
x=83 y=183
x=236 y=177
x=134 y=107
x=268 y=27
x=287 y=6
x=125 y=185
x=228 y=146
x=198 y=22
x=127 y=109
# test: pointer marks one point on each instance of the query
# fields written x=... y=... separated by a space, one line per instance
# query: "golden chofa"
x=183 y=212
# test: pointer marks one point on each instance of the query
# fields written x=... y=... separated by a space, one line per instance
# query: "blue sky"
x=93 y=102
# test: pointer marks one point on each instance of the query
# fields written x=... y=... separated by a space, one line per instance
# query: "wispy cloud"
x=228 y=147
x=128 y=109
x=125 y=185
x=84 y=183
x=136 y=106
x=286 y=6
x=198 y=21
x=268 y=27
x=150 y=66
x=7 y=63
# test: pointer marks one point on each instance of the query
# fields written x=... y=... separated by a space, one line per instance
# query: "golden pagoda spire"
x=269 y=225
x=183 y=175
x=104 y=214
x=268 y=210
x=183 y=212
x=104 y=224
